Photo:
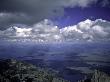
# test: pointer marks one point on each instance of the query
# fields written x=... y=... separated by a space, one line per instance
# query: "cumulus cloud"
x=46 y=31
x=88 y=30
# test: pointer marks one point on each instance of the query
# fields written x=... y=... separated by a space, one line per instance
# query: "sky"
x=77 y=14
x=49 y=20
x=62 y=12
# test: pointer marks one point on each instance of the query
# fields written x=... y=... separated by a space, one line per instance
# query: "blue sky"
x=75 y=15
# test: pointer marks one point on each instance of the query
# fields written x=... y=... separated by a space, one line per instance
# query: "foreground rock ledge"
x=97 y=77
x=17 y=71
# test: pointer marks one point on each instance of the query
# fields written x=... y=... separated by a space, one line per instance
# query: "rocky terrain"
x=98 y=77
x=17 y=71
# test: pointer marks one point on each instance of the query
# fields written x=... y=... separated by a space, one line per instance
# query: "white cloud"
x=90 y=30
x=85 y=25
x=46 y=31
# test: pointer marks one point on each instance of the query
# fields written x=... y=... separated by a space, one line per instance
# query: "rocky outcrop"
x=16 y=71
x=98 y=77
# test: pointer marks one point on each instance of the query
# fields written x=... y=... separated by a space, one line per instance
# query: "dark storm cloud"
x=37 y=7
x=10 y=18
x=32 y=11
x=27 y=12
x=105 y=3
